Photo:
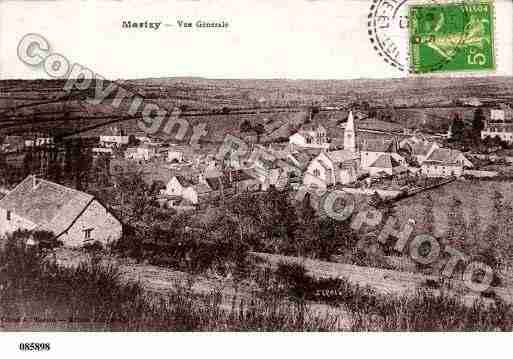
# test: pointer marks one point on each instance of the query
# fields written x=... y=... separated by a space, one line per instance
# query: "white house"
x=175 y=155
x=145 y=151
x=310 y=137
x=114 y=137
x=444 y=162
x=105 y=151
x=176 y=186
x=38 y=141
x=333 y=167
x=75 y=218
x=499 y=125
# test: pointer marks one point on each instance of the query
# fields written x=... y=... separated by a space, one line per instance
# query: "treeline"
x=219 y=238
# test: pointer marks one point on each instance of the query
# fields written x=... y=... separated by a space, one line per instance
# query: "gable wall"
x=106 y=228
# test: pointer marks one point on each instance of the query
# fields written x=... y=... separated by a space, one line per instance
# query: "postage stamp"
x=451 y=37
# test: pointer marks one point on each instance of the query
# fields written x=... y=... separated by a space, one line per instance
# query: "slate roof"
x=385 y=161
x=50 y=206
x=444 y=155
x=214 y=182
x=184 y=182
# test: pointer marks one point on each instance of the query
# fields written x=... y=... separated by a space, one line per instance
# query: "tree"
x=136 y=199
x=260 y=130
x=458 y=127
x=306 y=235
x=478 y=122
x=245 y=126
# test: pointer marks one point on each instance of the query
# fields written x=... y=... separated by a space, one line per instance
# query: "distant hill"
x=43 y=105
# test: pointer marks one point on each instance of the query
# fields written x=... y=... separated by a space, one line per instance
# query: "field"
x=38 y=294
x=223 y=104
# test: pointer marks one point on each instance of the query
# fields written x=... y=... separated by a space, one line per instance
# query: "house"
x=102 y=151
x=176 y=186
x=75 y=218
x=421 y=150
x=310 y=137
x=38 y=141
x=143 y=152
x=444 y=162
x=499 y=125
x=329 y=168
x=370 y=151
x=175 y=155
x=386 y=164
x=114 y=138
x=12 y=144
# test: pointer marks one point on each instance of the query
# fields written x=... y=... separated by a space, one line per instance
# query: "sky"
x=308 y=39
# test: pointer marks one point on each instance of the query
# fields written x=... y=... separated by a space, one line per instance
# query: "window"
x=316 y=172
x=8 y=215
x=87 y=233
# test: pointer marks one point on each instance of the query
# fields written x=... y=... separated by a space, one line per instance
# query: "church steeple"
x=350 y=140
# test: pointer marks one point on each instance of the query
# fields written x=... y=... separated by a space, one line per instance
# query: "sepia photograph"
x=241 y=167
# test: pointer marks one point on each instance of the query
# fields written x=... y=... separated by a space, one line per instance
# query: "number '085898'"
x=34 y=346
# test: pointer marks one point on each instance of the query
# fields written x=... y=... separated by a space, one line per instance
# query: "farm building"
x=310 y=137
x=75 y=218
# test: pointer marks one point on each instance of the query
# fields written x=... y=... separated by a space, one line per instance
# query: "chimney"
x=35 y=182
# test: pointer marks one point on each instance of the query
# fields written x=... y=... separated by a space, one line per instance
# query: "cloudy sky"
x=315 y=39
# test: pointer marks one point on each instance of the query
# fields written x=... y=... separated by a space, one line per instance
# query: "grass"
x=36 y=294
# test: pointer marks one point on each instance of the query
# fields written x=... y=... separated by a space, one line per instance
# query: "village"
x=241 y=216
x=365 y=161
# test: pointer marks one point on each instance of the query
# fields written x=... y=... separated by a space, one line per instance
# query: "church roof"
x=378 y=146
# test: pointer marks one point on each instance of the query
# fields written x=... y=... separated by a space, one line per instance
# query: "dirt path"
x=384 y=281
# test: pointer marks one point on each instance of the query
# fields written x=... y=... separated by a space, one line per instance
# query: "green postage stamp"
x=451 y=37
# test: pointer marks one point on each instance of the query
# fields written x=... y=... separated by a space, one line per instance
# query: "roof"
x=421 y=148
x=49 y=205
x=444 y=155
x=228 y=178
x=385 y=161
x=184 y=182
x=378 y=146
x=215 y=182
x=340 y=156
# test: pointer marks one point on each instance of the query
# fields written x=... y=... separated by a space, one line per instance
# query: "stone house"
x=74 y=217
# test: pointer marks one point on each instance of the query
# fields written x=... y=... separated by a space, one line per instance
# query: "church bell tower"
x=350 y=140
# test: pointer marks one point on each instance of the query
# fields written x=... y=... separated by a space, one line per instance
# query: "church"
x=375 y=157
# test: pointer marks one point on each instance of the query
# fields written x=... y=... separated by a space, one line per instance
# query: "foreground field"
x=89 y=293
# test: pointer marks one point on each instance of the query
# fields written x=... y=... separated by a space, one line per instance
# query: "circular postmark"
x=388 y=26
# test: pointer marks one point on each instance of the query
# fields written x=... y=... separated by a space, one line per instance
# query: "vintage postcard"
x=255 y=166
